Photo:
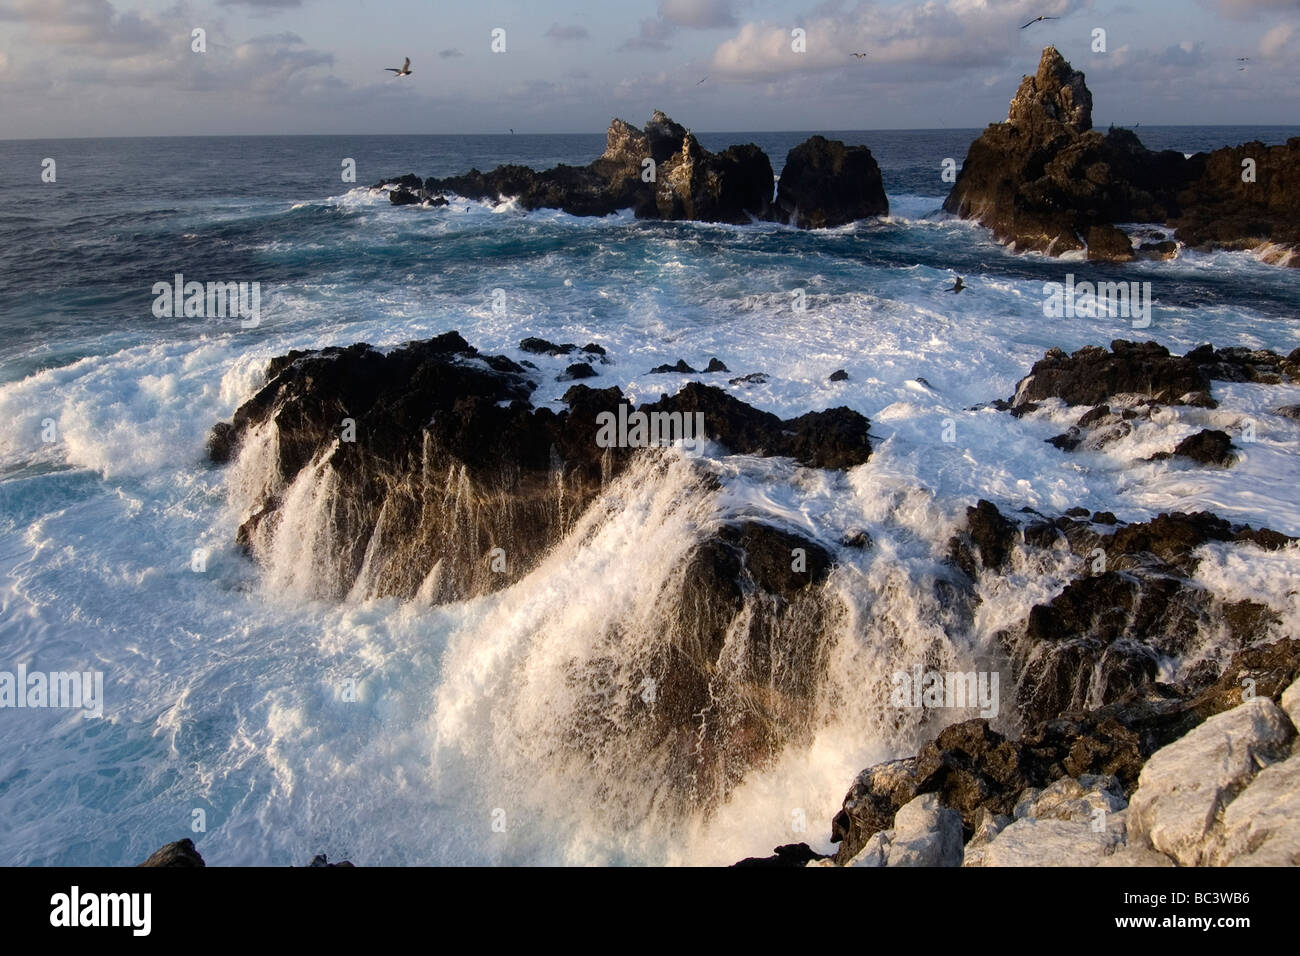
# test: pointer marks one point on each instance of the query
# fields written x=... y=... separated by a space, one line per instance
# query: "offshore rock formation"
x=1046 y=181
x=825 y=183
x=689 y=182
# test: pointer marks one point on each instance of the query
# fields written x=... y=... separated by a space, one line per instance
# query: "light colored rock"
x=1071 y=799
x=826 y=862
x=926 y=834
x=1262 y=826
x=987 y=827
x=1183 y=786
x=1034 y=841
x=1291 y=703
x=876 y=852
x=1135 y=855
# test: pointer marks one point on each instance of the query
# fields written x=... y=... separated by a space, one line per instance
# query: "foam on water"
x=224 y=688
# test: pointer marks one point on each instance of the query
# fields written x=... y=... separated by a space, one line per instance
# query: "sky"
x=133 y=67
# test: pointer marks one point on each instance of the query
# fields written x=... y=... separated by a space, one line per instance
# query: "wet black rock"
x=681 y=368
x=792 y=854
x=436 y=412
x=536 y=346
x=577 y=370
x=1206 y=447
x=825 y=183
x=182 y=853
x=1047 y=181
x=839 y=376
x=689 y=182
x=1094 y=376
x=715 y=365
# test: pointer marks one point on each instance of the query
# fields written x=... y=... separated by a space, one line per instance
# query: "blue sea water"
x=218 y=686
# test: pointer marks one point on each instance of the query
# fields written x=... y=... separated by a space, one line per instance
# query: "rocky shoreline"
x=1043 y=181
x=1096 y=718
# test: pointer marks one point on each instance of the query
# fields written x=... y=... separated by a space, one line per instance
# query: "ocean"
x=220 y=703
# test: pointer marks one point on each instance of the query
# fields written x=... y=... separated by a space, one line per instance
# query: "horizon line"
x=879 y=129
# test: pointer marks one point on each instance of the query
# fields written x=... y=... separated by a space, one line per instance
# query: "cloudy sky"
x=129 y=68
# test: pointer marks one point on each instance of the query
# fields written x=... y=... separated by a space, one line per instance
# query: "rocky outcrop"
x=825 y=183
x=436 y=415
x=1072 y=822
x=1093 y=376
x=1185 y=786
x=1086 y=666
x=1224 y=207
x=661 y=172
x=1009 y=792
x=1046 y=181
x=182 y=853
x=1131 y=373
x=733 y=186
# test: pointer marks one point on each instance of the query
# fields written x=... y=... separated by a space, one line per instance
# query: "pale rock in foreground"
x=1291 y=703
x=876 y=852
x=926 y=833
x=1069 y=823
x=1184 y=786
x=1262 y=826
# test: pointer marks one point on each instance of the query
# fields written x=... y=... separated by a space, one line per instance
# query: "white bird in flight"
x=858 y=55
x=1038 y=20
x=404 y=71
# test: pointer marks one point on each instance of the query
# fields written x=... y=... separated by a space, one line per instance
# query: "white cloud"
x=952 y=33
x=1276 y=39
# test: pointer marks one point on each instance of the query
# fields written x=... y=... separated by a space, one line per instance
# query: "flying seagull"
x=858 y=55
x=1242 y=59
x=404 y=71
x=1038 y=20
x=957 y=286
x=701 y=81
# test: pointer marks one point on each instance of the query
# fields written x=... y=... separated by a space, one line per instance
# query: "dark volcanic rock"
x=182 y=853
x=1109 y=244
x=1094 y=376
x=1238 y=364
x=1220 y=209
x=1044 y=177
x=577 y=371
x=733 y=186
x=835 y=438
x=321 y=860
x=792 y=854
x=680 y=367
x=1206 y=447
x=1045 y=180
x=839 y=375
x=688 y=182
x=825 y=183
x=988 y=540
x=536 y=346
x=429 y=415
